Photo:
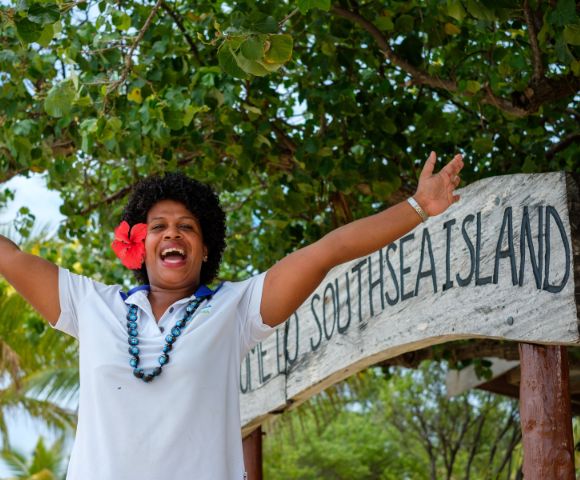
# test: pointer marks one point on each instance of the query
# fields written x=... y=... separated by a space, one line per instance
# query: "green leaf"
x=261 y=140
x=271 y=67
x=529 y=166
x=85 y=101
x=405 y=23
x=564 y=12
x=280 y=50
x=253 y=48
x=259 y=22
x=572 y=34
x=8 y=56
x=482 y=145
x=228 y=63
x=191 y=111
x=108 y=129
x=472 y=86
x=451 y=29
x=46 y=36
x=306 y=5
x=44 y=13
x=89 y=125
x=480 y=11
x=251 y=67
x=455 y=10
x=23 y=5
x=60 y=98
x=234 y=150
x=173 y=118
x=121 y=20
x=24 y=128
x=563 y=52
x=23 y=148
x=252 y=109
x=385 y=23
x=389 y=126
x=28 y=31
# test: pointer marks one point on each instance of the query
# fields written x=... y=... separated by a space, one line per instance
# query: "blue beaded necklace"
x=170 y=339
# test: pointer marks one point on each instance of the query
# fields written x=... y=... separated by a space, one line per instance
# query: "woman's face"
x=174 y=248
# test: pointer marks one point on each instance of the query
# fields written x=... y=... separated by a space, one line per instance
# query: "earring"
x=205 y=258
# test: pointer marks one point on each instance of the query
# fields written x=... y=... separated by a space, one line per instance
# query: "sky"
x=44 y=204
x=32 y=192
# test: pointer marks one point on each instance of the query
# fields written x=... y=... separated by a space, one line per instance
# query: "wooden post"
x=253 y=454
x=545 y=413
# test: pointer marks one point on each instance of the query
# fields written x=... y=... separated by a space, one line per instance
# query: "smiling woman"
x=160 y=364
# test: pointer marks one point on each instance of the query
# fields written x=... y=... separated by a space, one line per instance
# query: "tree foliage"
x=402 y=427
x=302 y=114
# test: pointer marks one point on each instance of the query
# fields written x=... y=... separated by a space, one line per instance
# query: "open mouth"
x=173 y=255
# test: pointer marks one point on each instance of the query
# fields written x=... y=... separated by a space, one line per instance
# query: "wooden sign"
x=498 y=264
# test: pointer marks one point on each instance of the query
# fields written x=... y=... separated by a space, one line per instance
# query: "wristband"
x=418 y=209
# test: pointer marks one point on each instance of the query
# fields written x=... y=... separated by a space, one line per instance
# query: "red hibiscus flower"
x=130 y=247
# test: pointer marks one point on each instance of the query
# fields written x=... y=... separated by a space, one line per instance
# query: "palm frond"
x=47 y=459
x=10 y=362
x=15 y=460
x=57 y=384
x=52 y=415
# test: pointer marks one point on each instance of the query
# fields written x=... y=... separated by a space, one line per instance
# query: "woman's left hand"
x=435 y=191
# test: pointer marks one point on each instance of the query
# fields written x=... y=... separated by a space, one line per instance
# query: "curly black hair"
x=199 y=198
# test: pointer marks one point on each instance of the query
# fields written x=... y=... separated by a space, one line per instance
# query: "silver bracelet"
x=418 y=209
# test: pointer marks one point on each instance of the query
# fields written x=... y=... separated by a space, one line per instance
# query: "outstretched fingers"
x=454 y=166
x=429 y=166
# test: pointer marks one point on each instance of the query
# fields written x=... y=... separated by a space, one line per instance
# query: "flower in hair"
x=129 y=244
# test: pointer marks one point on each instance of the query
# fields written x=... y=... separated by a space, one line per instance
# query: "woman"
x=159 y=365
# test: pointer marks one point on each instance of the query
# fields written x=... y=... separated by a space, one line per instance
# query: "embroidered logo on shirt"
x=205 y=309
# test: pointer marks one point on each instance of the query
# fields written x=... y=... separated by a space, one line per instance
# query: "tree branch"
x=563 y=144
x=129 y=56
x=10 y=174
x=537 y=64
x=125 y=190
x=288 y=17
x=475 y=444
x=516 y=438
x=417 y=74
x=285 y=141
x=179 y=22
x=545 y=90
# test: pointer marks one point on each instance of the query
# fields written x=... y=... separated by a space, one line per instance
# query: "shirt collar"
x=203 y=291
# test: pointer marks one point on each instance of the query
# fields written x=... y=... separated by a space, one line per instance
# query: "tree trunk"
x=545 y=413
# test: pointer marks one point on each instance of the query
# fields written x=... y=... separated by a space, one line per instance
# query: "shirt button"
x=161 y=329
x=171 y=310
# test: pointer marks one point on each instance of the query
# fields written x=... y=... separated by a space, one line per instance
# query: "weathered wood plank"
x=499 y=264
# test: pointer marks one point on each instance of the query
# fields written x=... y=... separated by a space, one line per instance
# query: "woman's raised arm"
x=33 y=277
x=290 y=281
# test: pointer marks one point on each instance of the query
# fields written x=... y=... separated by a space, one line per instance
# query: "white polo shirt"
x=185 y=424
